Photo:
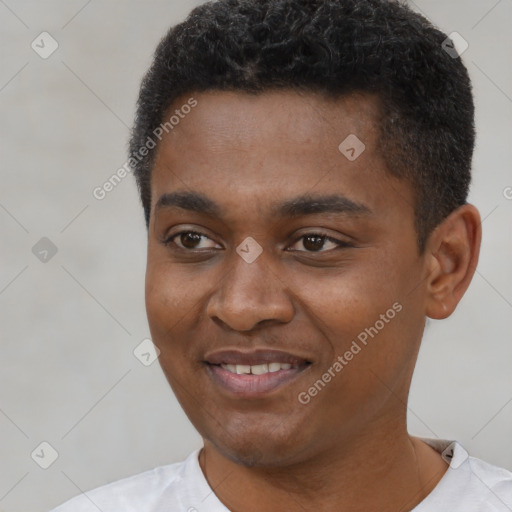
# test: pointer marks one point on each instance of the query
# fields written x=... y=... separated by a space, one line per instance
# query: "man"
x=306 y=211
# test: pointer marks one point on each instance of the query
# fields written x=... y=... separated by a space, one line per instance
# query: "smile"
x=253 y=374
x=257 y=369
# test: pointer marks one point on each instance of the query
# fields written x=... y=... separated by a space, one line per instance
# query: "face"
x=274 y=250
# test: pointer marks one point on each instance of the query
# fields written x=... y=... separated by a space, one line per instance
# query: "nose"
x=250 y=294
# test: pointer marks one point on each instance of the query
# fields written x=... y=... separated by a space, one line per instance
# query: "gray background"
x=69 y=325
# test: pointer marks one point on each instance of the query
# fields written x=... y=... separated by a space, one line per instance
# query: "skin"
x=348 y=448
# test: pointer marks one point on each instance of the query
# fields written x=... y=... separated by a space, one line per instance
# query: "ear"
x=452 y=256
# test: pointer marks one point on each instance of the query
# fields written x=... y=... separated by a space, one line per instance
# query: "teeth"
x=256 y=369
x=259 y=369
x=243 y=368
x=274 y=367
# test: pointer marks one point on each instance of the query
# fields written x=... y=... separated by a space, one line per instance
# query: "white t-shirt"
x=469 y=485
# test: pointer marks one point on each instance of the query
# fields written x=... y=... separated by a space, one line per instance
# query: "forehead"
x=239 y=147
x=242 y=119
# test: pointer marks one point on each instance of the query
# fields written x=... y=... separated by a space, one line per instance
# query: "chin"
x=259 y=451
x=249 y=457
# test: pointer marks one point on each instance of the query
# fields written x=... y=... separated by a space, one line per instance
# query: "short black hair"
x=335 y=47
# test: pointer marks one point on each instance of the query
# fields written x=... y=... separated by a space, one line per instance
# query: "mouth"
x=254 y=374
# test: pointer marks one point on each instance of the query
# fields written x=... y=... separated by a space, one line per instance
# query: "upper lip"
x=253 y=357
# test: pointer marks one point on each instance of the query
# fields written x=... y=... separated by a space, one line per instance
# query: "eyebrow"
x=303 y=205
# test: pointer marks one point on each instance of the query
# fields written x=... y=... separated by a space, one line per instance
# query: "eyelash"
x=341 y=244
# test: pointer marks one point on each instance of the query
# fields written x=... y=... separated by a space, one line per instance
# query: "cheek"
x=367 y=313
x=168 y=300
x=346 y=303
x=170 y=293
x=162 y=299
x=170 y=311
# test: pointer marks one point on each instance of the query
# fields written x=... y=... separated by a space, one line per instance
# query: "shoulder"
x=137 y=493
x=492 y=482
x=469 y=484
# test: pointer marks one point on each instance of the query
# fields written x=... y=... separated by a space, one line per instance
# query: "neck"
x=385 y=470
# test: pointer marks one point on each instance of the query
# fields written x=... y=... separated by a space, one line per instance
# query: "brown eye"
x=313 y=242
x=189 y=240
x=316 y=242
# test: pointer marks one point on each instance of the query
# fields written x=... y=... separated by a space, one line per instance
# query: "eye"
x=315 y=242
x=312 y=242
x=189 y=240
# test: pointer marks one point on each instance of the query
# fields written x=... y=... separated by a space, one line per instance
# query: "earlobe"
x=453 y=251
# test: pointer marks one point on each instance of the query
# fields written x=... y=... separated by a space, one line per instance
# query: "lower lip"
x=249 y=385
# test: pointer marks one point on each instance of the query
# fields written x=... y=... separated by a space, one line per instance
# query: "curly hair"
x=335 y=47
